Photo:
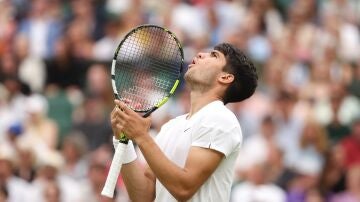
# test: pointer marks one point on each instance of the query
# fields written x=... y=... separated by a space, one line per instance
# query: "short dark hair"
x=244 y=71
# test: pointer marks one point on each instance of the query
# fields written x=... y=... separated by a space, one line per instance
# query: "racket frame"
x=116 y=163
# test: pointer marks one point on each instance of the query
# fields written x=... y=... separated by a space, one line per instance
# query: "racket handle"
x=114 y=171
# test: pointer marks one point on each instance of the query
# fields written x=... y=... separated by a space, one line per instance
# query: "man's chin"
x=186 y=75
x=188 y=78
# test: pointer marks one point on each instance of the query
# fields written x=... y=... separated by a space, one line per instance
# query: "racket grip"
x=114 y=171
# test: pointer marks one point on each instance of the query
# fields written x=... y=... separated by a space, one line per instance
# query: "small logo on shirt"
x=186 y=129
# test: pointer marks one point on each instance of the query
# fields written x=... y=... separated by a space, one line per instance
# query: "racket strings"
x=147 y=67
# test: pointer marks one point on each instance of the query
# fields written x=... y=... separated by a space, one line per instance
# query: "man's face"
x=205 y=68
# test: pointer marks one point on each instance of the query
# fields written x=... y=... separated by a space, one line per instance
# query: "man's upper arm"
x=149 y=174
x=139 y=181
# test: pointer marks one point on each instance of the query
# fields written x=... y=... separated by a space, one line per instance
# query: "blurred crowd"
x=301 y=129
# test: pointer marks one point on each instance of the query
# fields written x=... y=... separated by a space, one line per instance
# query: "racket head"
x=147 y=67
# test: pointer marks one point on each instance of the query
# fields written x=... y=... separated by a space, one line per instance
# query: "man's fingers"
x=113 y=112
x=123 y=107
x=127 y=101
x=117 y=120
x=120 y=127
x=119 y=104
x=120 y=112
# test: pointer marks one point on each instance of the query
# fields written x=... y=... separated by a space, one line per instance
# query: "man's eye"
x=213 y=54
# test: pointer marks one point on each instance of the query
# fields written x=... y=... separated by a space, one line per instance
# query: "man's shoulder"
x=220 y=115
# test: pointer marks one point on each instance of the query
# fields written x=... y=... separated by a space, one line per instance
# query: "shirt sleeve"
x=222 y=140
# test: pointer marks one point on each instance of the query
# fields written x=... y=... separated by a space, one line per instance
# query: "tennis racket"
x=145 y=72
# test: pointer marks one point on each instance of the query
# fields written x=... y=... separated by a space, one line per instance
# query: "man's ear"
x=226 y=78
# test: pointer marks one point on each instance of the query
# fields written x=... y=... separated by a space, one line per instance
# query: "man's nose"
x=200 y=55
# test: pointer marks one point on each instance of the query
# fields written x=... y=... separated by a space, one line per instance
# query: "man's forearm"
x=182 y=183
x=140 y=185
x=169 y=174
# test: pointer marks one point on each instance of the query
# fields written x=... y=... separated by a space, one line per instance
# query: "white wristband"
x=130 y=153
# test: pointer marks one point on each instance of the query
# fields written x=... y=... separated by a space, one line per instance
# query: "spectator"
x=39 y=130
x=355 y=83
x=313 y=145
x=8 y=180
x=97 y=84
x=104 y=47
x=12 y=109
x=289 y=125
x=93 y=186
x=351 y=145
x=94 y=124
x=74 y=149
x=352 y=192
x=304 y=183
x=11 y=137
x=8 y=25
x=30 y=66
x=61 y=107
x=255 y=188
x=26 y=168
x=257 y=147
x=347 y=106
x=8 y=66
x=40 y=29
x=332 y=179
x=52 y=192
x=335 y=128
x=62 y=70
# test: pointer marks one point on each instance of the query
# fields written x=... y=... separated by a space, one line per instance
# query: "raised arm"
x=139 y=181
x=182 y=183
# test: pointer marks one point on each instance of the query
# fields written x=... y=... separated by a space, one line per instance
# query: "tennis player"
x=193 y=156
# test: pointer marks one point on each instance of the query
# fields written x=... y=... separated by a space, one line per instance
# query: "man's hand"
x=115 y=121
x=139 y=183
x=129 y=122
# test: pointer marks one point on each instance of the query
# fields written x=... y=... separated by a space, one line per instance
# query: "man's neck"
x=199 y=100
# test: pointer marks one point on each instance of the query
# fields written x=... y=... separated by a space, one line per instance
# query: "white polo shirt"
x=214 y=126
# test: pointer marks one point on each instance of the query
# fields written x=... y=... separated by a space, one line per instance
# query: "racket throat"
x=123 y=139
x=149 y=112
